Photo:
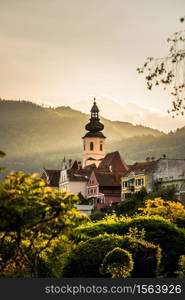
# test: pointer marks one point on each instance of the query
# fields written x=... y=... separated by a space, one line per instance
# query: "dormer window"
x=101 y=146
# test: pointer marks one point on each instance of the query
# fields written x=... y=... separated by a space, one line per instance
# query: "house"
x=104 y=185
x=51 y=177
x=169 y=172
x=73 y=178
x=104 y=189
x=137 y=177
x=153 y=175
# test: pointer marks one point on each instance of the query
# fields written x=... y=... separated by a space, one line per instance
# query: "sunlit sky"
x=59 y=52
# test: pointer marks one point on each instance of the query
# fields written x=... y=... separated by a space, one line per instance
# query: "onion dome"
x=94 y=126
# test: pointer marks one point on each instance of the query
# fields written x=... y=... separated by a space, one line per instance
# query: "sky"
x=62 y=52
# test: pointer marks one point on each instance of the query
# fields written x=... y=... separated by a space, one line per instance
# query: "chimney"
x=153 y=158
x=79 y=165
x=164 y=155
x=148 y=158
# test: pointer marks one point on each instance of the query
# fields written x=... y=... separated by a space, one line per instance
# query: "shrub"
x=117 y=262
x=130 y=205
x=86 y=259
x=159 y=231
x=175 y=211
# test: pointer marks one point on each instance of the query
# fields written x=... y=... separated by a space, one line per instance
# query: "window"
x=101 y=146
x=140 y=181
x=84 y=145
x=91 y=146
x=125 y=184
x=94 y=114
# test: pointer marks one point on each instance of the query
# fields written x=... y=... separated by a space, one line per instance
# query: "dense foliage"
x=131 y=205
x=175 y=211
x=158 y=230
x=33 y=220
x=166 y=193
x=86 y=259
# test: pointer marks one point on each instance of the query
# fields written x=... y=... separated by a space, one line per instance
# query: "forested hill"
x=137 y=149
x=35 y=129
x=34 y=136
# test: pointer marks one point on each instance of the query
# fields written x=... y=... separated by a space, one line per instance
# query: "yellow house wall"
x=137 y=187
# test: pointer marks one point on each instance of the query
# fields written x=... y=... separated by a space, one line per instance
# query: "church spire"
x=94 y=139
x=94 y=127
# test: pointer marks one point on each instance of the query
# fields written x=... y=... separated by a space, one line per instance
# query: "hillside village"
x=105 y=179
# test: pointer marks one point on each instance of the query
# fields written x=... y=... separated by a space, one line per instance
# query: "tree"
x=33 y=219
x=166 y=193
x=130 y=206
x=169 y=71
x=174 y=211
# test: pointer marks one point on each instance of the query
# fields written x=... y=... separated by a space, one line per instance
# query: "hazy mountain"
x=34 y=137
x=133 y=113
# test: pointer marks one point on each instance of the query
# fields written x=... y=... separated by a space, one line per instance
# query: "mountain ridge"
x=34 y=136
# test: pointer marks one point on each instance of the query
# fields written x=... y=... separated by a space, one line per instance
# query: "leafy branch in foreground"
x=33 y=220
x=169 y=71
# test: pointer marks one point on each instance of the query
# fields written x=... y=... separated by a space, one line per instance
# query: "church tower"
x=94 y=140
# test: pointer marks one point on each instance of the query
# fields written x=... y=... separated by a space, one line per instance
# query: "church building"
x=98 y=169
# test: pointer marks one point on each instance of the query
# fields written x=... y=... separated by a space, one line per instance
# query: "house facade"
x=154 y=175
x=104 y=185
x=137 y=177
x=104 y=189
x=74 y=178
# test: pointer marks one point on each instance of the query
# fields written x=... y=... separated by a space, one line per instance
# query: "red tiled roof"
x=81 y=174
x=140 y=167
x=108 y=179
x=113 y=161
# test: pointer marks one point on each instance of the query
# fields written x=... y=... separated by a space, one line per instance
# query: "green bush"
x=130 y=205
x=97 y=215
x=159 y=231
x=86 y=259
x=117 y=262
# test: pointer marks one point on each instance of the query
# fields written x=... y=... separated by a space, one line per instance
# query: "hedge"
x=117 y=262
x=158 y=230
x=85 y=260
